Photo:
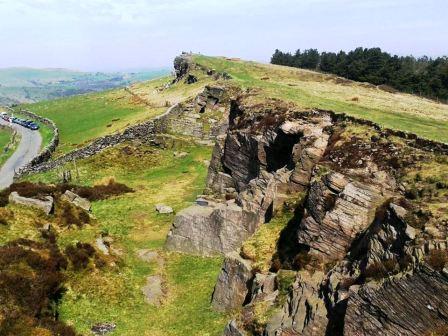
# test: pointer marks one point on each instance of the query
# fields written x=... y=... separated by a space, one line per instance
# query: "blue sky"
x=129 y=34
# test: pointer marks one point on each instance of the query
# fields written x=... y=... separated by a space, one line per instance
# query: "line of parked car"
x=23 y=122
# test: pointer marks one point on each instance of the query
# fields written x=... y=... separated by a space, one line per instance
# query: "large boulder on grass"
x=77 y=200
x=45 y=204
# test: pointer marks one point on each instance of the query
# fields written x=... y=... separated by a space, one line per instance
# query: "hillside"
x=234 y=199
x=81 y=119
x=26 y=85
x=313 y=90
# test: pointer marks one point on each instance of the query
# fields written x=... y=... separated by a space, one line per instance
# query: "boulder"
x=191 y=79
x=164 y=209
x=210 y=230
x=77 y=200
x=46 y=205
x=233 y=283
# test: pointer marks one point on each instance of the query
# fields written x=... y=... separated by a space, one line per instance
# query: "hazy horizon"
x=106 y=35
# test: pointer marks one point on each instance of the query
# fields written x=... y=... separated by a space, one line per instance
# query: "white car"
x=5 y=116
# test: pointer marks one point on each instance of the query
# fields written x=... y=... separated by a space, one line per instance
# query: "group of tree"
x=423 y=76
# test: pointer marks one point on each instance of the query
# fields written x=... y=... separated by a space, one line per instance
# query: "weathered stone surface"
x=412 y=305
x=103 y=328
x=334 y=219
x=77 y=200
x=147 y=255
x=233 y=283
x=309 y=150
x=388 y=239
x=232 y=329
x=44 y=205
x=164 y=209
x=153 y=290
x=210 y=230
x=263 y=285
x=242 y=157
x=304 y=312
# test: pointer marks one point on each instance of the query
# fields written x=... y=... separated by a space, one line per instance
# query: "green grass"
x=5 y=136
x=113 y=295
x=309 y=89
x=5 y=140
x=81 y=119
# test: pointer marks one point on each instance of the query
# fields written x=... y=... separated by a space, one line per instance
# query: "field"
x=310 y=89
x=83 y=118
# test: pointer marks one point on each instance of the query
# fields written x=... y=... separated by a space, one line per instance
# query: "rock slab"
x=44 y=205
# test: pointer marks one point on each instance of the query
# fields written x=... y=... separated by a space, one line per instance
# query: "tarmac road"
x=28 y=148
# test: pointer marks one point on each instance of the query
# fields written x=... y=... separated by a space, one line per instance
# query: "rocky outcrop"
x=204 y=117
x=411 y=305
x=233 y=284
x=46 y=204
x=354 y=230
x=304 y=312
x=338 y=210
x=211 y=229
x=232 y=329
x=182 y=64
x=252 y=169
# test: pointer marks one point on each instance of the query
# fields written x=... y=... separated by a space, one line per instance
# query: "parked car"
x=25 y=123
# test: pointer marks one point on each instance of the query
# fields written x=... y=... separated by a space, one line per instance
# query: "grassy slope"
x=83 y=118
x=315 y=90
x=5 y=138
x=132 y=221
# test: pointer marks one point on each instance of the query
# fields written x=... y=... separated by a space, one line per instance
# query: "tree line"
x=424 y=76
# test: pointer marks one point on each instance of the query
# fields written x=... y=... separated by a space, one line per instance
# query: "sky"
x=113 y=35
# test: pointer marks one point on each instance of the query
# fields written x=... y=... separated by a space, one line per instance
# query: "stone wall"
x=145 y=131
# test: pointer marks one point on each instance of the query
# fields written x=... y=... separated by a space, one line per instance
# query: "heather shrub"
x=31 y=283
x=437 y=259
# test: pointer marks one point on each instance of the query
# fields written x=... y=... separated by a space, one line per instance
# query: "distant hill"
x=28 y=85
